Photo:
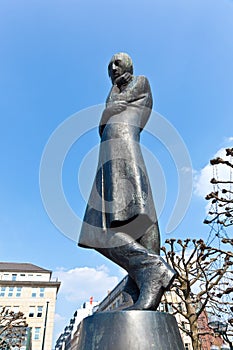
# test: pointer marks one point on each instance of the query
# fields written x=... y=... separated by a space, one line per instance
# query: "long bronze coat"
x=121 y=198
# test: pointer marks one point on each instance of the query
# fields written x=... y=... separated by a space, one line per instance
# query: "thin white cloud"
x=229 y=140
x=186 y=169
x=78 y=284
x=58 y=318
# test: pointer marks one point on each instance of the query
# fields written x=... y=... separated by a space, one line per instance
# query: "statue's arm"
x=116 y=104
x=112 y=108
x=142 y=92
x=141 y=99
x=140 y=96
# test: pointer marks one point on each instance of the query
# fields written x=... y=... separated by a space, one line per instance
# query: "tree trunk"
x=191 y=312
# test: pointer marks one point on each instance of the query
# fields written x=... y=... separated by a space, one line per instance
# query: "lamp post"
x=45 y=324
x=221 y=329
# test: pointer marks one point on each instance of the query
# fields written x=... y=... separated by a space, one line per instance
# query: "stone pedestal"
x=130 y=330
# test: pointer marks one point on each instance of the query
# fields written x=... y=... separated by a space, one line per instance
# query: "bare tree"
x=221 y=199
x=204 y=280
x=12 y=329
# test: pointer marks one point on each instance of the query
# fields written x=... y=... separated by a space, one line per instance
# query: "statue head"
x=120 y=63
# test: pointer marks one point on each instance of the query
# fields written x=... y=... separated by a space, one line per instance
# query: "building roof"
x=21 y=267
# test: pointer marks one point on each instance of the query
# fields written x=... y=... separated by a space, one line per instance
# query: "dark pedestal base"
x=130 y=330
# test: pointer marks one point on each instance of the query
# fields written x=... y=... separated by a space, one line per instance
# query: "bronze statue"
x=120 y=220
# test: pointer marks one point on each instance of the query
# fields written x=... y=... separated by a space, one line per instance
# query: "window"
x=18 y=292
x=186 y=346
x=37 y=333
x=39 y=311
x=31 y=311
x=15 y=309
x=14 y=276
x=161 y=308
x=33 y=292
x=169 y=308
x=11 y=290
x=2 y=293
x=6 y=276
x=41 y=292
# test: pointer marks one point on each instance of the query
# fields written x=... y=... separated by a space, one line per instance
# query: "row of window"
x=37 y=292
x=34 y=311
x=16 y=291
x=169 y=308
x=13 y=276
x=15 y=309
x=9 y=291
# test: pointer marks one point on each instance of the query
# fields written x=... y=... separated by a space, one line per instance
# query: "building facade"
x=208 y=340
x=29 y=289
x=69 y=338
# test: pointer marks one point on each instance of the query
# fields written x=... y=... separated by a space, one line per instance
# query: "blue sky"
x=53 y=63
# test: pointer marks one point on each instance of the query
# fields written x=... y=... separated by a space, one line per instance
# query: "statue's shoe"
x=153 y=278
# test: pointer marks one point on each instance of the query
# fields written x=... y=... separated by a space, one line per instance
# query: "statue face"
x=119 y=64
x=116 y=68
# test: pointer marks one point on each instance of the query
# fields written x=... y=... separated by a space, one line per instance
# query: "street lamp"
x=221 y=329
x=45 y=324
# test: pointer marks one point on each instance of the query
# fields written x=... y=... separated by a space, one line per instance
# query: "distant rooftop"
x=25 y=267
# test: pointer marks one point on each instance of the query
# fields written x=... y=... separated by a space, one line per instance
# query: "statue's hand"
x=116 y=108
x=113 y=109
x=123 y=79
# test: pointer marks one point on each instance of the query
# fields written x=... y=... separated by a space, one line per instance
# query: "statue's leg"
x=151 y=241
x=149 y=271
x=130 y=291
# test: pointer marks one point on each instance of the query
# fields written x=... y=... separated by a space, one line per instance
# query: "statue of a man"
x=120 y=220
